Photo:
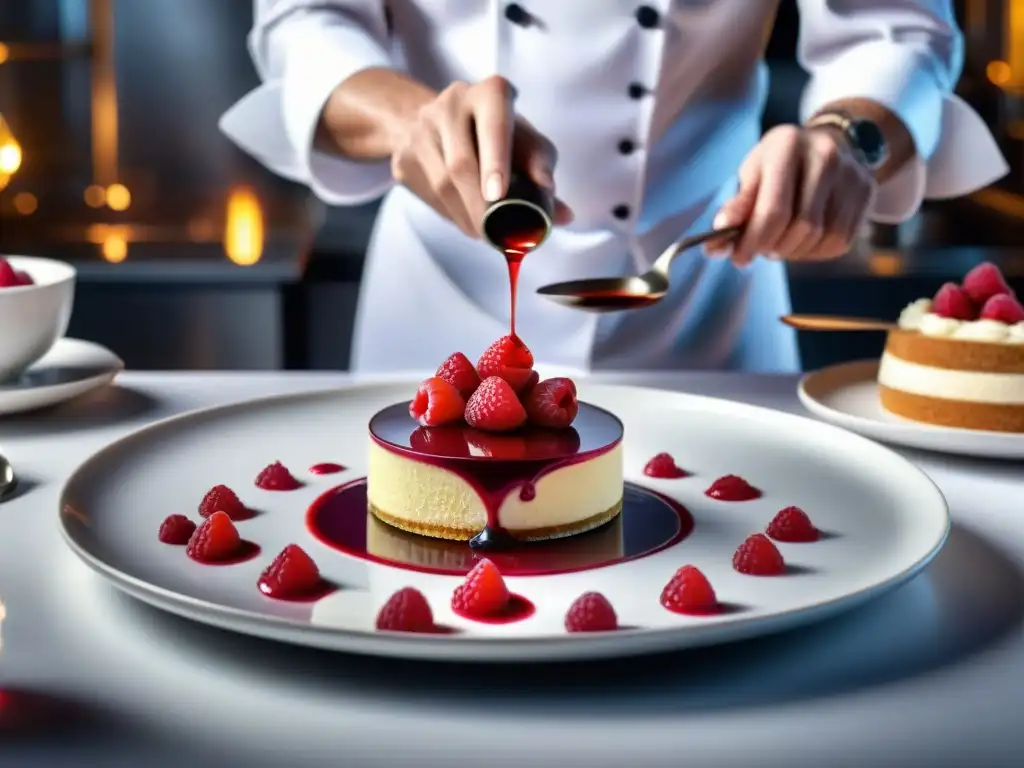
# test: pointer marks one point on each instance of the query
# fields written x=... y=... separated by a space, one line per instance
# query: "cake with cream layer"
x=456 y=482
x=957 y=359
x=492 y=454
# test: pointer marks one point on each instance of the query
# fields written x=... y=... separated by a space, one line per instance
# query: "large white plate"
x=887 y=517
x=847 y=395
x=70 y=369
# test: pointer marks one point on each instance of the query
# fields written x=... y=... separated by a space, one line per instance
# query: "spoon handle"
x=668 y=256
x=835 y=323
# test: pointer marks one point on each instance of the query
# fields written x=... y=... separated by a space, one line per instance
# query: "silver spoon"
x=8 y=480
x=612 y=294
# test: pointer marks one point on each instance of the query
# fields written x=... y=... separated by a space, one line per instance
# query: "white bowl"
x=34 y=317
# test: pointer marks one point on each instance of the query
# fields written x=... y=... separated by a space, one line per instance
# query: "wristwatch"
x=865 y=138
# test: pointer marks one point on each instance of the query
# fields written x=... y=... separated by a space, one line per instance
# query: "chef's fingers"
x=563 y=214
x=454 y=126
x=807 y=228
x=737 y=211
x=494 y=119
x=849 y=203
x=781 y=166
x=440 y=186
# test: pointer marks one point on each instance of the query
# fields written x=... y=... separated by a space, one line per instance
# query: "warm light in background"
x=95 y=196
x=999 y=73
x=5 y=179
x=5 y=53
x=115 y=247
x=113 y=241
x=884 y=264
x=1015 y=42
x=243 y=232
x=118 y=197
x=25 y=203
x=10 y=150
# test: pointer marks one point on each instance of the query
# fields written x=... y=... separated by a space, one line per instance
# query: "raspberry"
x=732 y=488
x=437 y=402
x=1003 y=308
x=220 y=498
x=406 y=611
x=663 y=466
x=793 y=525
x=8 y=277
x=176 y=529
x=494 y=407
x=591 y=612
x=552 y=403
x=460 y=373
x=276 y=477
x=483 y=593
x=216 y=539
x=952 y=302
x=983 y=282
x=689 y=592
x=24 y=278
x=531 y=382
x=291 y=574
x=509 y=359
x=757 y=556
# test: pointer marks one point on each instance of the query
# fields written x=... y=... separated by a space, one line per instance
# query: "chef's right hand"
x=457 y=152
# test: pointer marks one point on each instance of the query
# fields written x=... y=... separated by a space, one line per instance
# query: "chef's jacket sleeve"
x=303 y=49
x=907 y=56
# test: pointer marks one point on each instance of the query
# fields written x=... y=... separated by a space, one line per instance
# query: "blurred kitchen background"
x=191 y=256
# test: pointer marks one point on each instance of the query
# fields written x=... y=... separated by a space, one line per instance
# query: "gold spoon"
x=612 y=294
x=835 y=323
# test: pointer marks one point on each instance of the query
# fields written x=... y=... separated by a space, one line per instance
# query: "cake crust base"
x=465 y=534
x=953 y=413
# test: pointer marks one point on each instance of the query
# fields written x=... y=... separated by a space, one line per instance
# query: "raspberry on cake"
x=508 y=358
x=958 y=360
x=437 y=402
x=507 y=466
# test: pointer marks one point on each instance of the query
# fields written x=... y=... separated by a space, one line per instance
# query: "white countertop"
x=932 y=674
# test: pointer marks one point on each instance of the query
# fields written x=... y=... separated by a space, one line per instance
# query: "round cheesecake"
x=455 y=482
x=954 y=373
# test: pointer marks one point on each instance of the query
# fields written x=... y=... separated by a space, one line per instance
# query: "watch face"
x=870 y=140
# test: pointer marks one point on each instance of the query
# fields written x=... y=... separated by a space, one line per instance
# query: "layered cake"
x=490 y=454
x=957 y=359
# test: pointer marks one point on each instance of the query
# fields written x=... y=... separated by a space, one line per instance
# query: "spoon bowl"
x=614 y=294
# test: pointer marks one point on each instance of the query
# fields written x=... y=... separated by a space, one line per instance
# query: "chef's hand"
x=457 y=152
x=803 y=196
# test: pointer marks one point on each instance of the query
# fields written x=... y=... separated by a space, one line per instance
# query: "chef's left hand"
x=803 y=196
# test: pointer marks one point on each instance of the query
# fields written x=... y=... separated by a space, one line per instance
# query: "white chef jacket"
x=652 y=109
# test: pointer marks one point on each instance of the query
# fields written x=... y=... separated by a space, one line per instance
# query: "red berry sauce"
x=517 y=609
x=276 y=477
x=732 y=488
x=326 y=468
x=663 y=466
x=649 y=523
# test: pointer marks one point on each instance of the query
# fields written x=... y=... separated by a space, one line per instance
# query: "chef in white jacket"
x=644 y=119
